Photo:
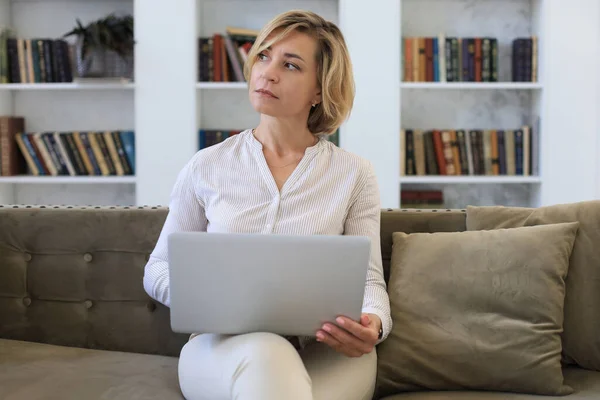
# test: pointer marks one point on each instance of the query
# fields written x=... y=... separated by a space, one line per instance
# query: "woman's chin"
x=266 y=109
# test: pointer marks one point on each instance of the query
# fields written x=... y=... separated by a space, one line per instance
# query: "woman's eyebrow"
x=292 y=55
x=289 y=55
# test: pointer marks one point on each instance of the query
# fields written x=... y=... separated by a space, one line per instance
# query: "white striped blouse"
x=228 y=187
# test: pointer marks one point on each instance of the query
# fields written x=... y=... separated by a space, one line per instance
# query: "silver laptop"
x=233 y=283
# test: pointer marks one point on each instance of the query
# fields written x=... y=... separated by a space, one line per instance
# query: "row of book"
x=469 y=59
x=97 y=153
x=221 y=57
x=38 y=60
x=469 y=152
x=210 y=137
x=428 y=199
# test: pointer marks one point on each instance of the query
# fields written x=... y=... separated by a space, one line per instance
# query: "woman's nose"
x=270 y=73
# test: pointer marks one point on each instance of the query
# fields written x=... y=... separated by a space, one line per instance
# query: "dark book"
x=471 y=59
x=486 y=60
x=428 y=59
x=14 y=75
x=70 y=146
x=463 y=154
x=465 y=60
x=494 y=60
x=501 y=152
x=449 y=61
x=431 y=167
x=478 y=60
x=410 y=166
x=456 y=61
x=12 y=161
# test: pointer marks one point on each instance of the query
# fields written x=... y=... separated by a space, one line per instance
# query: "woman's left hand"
x=350 y=337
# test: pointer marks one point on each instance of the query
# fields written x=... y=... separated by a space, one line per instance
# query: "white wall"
x=598 y=125
x=570 y=151
x=165 y=96
x=373 y=128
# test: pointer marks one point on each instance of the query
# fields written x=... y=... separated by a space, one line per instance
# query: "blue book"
x=128 y=140
x=201 y=139
x=436 y=61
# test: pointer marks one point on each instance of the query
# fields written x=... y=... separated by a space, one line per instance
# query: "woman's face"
x=283 y=81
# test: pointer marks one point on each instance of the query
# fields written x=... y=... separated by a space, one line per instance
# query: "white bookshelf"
x=166 y=105
x=564 y=100
x=66 y=86
x=55 y=180
x=483 y=180
x=472 y=85
x=75 y=106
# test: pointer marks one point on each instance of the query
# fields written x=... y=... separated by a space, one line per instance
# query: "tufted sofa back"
x=73 y=275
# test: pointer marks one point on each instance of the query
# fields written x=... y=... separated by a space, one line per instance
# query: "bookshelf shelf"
x=470 y=179
x=26 y=179
x=472 y=85
x=221 y=85
x=66 y=86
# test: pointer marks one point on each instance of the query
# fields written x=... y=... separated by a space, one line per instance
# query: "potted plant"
x=104 y=48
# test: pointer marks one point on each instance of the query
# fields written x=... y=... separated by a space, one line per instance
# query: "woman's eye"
x=262 y=56
x=291 y=66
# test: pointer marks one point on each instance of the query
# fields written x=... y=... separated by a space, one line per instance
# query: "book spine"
x=486 y=61
x=465 y=60
x=449 y=60
x=494 y=60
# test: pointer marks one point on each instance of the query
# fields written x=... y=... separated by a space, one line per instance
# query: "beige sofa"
x=75 y=322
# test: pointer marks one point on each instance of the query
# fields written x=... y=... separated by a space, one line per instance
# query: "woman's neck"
x=282 y=139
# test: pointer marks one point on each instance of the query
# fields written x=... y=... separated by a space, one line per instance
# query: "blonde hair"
x=334 y=67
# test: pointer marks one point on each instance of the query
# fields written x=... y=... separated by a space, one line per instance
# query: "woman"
x=283 y=177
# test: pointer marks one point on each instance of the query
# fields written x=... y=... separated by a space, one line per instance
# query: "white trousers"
x=266 y=366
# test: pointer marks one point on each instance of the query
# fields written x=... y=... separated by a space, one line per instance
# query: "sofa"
x=76 y=323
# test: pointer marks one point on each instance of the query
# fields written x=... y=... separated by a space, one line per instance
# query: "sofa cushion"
x=477 y=310
x=32 y=371
x=586 y=385
x=581 y=336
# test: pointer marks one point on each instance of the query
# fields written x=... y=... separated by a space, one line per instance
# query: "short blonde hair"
x=334 y=67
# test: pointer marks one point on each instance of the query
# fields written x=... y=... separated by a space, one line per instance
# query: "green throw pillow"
x=480 y=310
x=581 y=336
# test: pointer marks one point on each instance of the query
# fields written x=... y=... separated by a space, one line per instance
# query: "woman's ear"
x=316 y=100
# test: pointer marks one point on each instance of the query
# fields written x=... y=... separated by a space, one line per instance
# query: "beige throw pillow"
x=581 y=336
x=477 y=310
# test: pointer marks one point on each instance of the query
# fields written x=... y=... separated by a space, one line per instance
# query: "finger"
x=364 y=333
x=346 y=338
x=332 y=342
x=365 y=320
x=329 y=340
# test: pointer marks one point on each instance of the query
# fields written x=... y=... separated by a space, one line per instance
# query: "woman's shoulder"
x=350 y=160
